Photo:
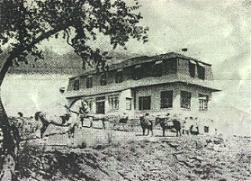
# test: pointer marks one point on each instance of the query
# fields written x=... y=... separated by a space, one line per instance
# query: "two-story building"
x=156 y=84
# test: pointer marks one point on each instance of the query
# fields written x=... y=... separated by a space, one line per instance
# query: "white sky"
x=217 y=32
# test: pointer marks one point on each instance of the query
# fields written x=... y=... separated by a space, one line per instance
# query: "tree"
x=26 y=23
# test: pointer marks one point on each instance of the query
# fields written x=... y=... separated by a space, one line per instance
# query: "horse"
x=40 y=116
x=146 y=124
x=120 y=120
x=93 y=118
x=169 y=123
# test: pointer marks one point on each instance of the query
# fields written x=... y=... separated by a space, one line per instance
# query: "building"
x=156 y=84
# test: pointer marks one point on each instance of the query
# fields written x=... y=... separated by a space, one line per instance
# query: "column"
x=176 y=99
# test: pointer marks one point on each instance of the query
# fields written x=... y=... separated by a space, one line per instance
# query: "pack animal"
x=146 y=124
x=169 y=123
x=121 y=121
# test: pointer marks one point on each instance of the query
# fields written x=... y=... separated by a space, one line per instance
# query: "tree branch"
x=18 y=50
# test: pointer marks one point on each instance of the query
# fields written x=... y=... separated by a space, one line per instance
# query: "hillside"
x=170 y=158
x=68 y=63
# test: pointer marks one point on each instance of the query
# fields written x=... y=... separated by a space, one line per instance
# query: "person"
x=147 y=117
x=194 y=128
x=42 y=124
x=20 y=121
x=185 y=126
x=79 y=110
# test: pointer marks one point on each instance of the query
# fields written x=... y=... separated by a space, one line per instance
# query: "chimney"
x=184 y=49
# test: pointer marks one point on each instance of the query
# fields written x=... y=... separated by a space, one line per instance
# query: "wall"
x=183 y=69
x=154 y=92
x=122 y=102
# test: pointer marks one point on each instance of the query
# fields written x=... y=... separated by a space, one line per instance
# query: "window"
x=185 y=99
x=100 y=105
x=192 y=65
x=137 y=73
x=128 y=103
x=76 y=84
x=157 y=68
x=89 y=82
x=201 y=71
x=103 y=79
x=166 y=99
x=203 y=102
x=71 y=84
x=119 y=76
x=145 y=103
x=171 y=66
x=113 y=102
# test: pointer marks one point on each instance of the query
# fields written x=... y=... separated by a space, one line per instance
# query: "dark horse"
x=146 y=125
x=121 y=121
x=93 y=118
x=169 y=123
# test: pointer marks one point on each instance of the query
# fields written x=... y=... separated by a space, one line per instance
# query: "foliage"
x=25 y=23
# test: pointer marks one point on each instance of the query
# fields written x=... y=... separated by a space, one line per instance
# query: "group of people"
x=195 y=126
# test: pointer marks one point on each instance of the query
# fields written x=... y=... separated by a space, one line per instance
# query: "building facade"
x=157 y=85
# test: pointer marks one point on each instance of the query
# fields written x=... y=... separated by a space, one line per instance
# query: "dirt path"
x=93 y=136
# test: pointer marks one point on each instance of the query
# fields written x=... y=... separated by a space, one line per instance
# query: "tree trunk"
x=7 y=166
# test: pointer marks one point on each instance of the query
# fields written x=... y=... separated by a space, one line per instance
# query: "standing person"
x=78 y=111
x=42 y=124
x=185 y=126
x=85 y=113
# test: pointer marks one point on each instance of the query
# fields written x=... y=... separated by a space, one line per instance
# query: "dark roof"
x=143 y=59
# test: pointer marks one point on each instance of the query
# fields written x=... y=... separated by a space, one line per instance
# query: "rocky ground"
x=144 y=158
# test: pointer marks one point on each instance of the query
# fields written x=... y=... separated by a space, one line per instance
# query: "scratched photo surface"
x=125 y=90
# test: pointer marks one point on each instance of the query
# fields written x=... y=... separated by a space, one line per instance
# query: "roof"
x=149 y=81
x=144 y=59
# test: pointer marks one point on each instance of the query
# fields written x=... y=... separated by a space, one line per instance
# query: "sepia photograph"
x=134 y=90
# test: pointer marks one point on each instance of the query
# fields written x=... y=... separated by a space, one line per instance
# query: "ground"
x=127 y=155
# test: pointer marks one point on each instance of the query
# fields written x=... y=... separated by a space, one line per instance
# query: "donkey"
x=169 y=123
x=146 y=124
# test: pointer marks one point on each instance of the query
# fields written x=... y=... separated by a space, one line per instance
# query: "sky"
x=216 y=32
